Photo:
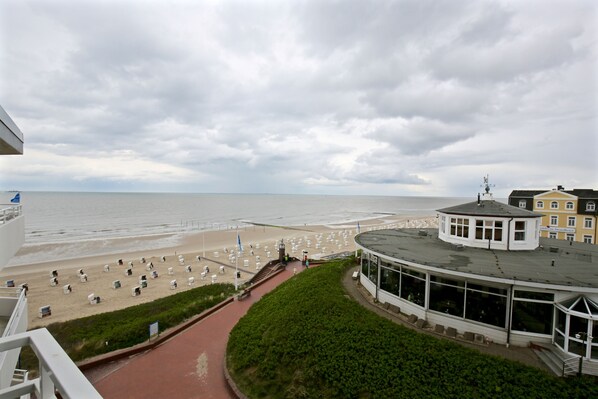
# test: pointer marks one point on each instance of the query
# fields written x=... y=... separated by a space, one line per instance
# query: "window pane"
x=561 y=317
x=447 y=299
x=389 y=281
x=486 y=308
x=413 y=289
x=542 y=296
x=493 y=290
x=533 y=317
x=373 y=276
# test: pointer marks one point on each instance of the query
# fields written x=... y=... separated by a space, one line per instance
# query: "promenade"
x=189 y=365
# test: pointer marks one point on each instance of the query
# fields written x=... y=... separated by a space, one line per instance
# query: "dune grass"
x=307 y=339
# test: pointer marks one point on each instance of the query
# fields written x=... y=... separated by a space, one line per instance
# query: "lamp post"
x=588 y=341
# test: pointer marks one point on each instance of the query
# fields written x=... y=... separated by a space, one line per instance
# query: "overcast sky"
x=326 y=97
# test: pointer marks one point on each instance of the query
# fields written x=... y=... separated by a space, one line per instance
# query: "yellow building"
x=568 y=214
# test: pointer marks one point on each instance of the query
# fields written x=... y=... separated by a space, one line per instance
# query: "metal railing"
x=570 y=366
x=19 y=309
x=9 y=212
x=57 y=371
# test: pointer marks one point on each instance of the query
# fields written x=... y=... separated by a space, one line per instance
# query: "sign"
x=557 y=229
x=153 y=329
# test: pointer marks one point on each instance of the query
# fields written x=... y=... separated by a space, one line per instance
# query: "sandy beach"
x=214 y=248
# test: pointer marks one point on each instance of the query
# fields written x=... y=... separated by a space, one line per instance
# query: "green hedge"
x=307 y=339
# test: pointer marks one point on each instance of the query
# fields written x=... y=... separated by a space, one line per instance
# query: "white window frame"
x=588 y=238
x=588 y=223
x=591 y=206
x=522 y=203
x=554 y=220
x=571 y=221
x=570 y=237
x=554 y=205
x=569 y=205
x=552 y=234
x=540 y=204
x=515 y=230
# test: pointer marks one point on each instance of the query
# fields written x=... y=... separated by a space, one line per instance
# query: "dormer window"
x=522 y=203
x=569 y=205
x=591 y=206
x=540 y=204
x=554 y=205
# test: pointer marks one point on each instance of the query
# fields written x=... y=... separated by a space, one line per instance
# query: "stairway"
x=555 y=359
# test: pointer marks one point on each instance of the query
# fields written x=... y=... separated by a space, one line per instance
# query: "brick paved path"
x=190 y=365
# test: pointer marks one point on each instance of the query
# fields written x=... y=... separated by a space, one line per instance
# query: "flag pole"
x=237 y=263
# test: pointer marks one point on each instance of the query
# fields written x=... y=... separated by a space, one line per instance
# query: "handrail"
x=57 y=370
x=570 y=365
x=10 y=212
x=16 y=314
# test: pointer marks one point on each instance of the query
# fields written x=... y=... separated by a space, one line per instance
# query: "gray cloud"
x=397 y=97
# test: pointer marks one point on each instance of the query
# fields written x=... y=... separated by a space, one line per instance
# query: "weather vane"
x=486 y=184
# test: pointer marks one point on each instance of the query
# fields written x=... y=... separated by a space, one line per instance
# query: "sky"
x=415 y=97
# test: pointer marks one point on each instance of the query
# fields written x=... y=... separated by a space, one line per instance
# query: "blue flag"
x=239 y=243
x=16 y=199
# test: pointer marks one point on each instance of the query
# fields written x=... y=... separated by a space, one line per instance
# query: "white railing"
x=19 y=309
x=7 y=213
x=57 y=371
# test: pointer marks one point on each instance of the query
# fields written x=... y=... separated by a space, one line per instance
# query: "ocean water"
x=83 y=219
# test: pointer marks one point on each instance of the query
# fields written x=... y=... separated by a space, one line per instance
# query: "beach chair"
x=149 y=266
x=66 y=289
x=173 y=284
x=142 y=260
x=188 y=268
x=136 y=291
x=53 y=282
x=141 y=278
x=83 y=278
x=25 y=287
x=191 y=280
x=116 y=284
x=221 y=269
x=170 y=271
x=257 y=246
x=45 y=311
x=257 y=258
x=206 y=269
x=246 y=263
x=106 y=268
x=154 y=274
x=129 y=272
x=214 y=278
x=198 y=258
x=143 y=283
x=10 y=283
x=130 y=263
x=258 y=265
x=93 y=299
x=120 y=262
x=80 y=272
x=203 y=275
x=54 y=273
x=216 y=254
x=163 y=259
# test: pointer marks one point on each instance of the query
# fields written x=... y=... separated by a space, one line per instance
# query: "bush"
x=307 y=339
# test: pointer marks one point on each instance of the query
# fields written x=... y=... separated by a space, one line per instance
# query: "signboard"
x=557 y=229
x=153 y=329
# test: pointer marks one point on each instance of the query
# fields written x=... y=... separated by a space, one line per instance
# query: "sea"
x=100 y=223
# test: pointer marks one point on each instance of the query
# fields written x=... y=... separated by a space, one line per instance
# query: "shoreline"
x=260 y=244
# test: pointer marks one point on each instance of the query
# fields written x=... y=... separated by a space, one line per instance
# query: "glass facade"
x=447 y=296
x=532 y=312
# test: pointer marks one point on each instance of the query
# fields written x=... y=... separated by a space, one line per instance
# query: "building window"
x=587 y=223
x=413 y=286
x=520 y=231
x=390 y=280
x=587 y=238
x=590 y=206
x=554 y=220
x=460 y=227
x=488 y=230
x=447 y=296
x=443 y=224
x=570 y=237
x=532 y=312
x=522 y=203
x=554 y=205
x=571 y=221
x=569 y=205
x=373 y=272
x=540 y=204
x=552 y=235
x=486 y=304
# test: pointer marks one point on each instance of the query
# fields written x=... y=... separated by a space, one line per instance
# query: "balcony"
x=12 y=231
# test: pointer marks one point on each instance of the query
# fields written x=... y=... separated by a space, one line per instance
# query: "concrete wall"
x=12 y=237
